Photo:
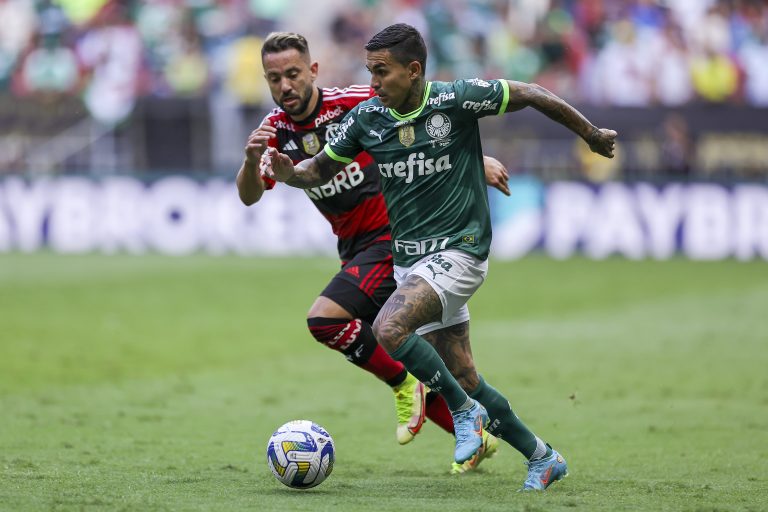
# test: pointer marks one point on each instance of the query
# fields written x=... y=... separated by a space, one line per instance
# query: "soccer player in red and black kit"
x=352 y=202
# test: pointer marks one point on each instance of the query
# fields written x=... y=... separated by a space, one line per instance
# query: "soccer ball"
x=300 y=454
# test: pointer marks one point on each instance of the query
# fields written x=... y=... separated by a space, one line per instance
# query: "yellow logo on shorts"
x=468 y=239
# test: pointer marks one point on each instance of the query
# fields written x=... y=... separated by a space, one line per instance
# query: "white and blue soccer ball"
x=301 y=454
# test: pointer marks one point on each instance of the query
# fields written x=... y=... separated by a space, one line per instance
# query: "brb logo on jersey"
x=416 y=165
x=438 y=125
x=348 y=178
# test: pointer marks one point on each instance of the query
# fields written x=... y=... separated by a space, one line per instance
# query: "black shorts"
x=364 y=283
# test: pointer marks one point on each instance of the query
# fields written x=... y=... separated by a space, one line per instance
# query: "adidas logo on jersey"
x=415 y=165
x=291 y=146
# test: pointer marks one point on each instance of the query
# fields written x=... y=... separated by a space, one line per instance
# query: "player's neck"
x=415 y=96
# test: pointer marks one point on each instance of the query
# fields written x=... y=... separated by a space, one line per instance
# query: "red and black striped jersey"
x=352 y=201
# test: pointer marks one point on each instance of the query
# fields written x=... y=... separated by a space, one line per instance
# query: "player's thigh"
x=363 y=284
x=324 y=307
x=454 y=276
x=413 y=304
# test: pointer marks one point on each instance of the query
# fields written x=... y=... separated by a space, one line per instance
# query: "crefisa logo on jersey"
x=440 y=98
x=478 y=106
x=415 y=165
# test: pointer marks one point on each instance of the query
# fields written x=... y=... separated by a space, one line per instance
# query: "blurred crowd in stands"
x=111 y=85
x=601 y=52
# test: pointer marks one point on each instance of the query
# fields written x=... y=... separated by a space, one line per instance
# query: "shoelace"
x=462 y=422
x=534 y=463
x=404 y=406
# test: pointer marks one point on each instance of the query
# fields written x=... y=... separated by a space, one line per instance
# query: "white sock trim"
x=540 y=451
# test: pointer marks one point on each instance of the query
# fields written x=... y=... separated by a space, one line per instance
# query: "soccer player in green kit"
x=424 y=136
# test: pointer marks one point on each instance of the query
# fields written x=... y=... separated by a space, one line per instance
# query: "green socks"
x=423 y=362
x=504 y=422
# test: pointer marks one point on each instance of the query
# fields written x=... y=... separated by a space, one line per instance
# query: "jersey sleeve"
x=480 y=98
x=345 y=145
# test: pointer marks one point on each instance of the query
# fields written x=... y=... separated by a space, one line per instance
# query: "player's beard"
x=301 y=107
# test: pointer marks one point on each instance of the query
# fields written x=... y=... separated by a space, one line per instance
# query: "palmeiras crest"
x=438 y=125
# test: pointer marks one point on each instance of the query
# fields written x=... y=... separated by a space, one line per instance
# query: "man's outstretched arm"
x=521 y=95
x=309 y=173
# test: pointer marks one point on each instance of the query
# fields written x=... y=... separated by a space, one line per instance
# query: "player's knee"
x=325 y=330
x=336 y=333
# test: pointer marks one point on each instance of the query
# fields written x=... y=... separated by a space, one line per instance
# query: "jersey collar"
x=416 y=112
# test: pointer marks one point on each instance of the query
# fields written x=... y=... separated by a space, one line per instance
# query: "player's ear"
x=313 y=70
x=414 y=70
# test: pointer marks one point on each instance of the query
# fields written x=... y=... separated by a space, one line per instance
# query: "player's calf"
x=354 y=338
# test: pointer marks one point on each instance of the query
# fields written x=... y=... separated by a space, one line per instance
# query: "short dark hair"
x=403 y=41
x=277 y=42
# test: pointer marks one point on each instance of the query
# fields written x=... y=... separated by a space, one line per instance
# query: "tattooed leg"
x=452 y=344
x=412 y=305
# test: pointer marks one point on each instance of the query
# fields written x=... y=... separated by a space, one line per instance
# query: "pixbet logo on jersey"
x=327 y=116
x=415 y=165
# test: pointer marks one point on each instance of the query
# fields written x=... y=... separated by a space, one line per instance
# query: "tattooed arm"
x=309 y=173
x=521 y=95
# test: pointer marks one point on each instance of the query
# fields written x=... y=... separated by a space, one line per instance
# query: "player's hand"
x=258 y=142
x=496 y=174
x=276 y=165
x=601 y=141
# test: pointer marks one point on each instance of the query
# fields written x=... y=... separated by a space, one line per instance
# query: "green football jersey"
x=431 y=165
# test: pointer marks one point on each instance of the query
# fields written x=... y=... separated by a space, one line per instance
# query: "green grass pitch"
x=153 y=383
